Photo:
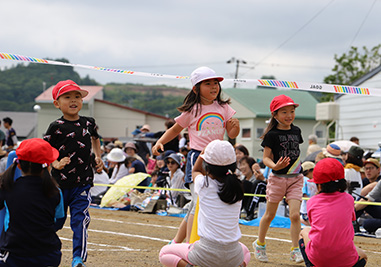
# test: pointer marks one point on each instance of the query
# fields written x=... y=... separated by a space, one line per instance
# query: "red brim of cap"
x=71 y=88
x=219 y=78
x=285 y=105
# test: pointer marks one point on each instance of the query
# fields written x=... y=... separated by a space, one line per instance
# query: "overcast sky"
x=293 y=40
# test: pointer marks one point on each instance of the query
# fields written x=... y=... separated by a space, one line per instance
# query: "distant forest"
x=20 y=85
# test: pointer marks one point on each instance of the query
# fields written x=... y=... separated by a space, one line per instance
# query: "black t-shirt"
x=73 y=139
x=285 y=143
x=29 y=230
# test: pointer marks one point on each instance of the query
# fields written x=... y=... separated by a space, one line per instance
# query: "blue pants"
x=78 y=199
x=191 y=160
x=12 y=260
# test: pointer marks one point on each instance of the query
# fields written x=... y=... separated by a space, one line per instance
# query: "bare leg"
x=266 y=220
x=294 y=206
x=362 y=254
x=181 y=232
x=189 y=227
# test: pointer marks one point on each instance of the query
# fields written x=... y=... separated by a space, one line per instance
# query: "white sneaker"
x=260 y=252
x=296 y=255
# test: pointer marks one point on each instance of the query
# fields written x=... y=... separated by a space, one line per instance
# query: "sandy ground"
x=127 y=238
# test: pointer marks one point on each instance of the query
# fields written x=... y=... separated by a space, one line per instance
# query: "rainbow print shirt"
x=209 y=125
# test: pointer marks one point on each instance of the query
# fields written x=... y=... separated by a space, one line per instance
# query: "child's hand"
x=282 y=163
x=257 y=172
x=234 y=122
x=59 y=165
x=99 y=165
x=155 y=149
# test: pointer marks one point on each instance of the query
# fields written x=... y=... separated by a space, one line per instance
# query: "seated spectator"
x=352 y=170
x=312 y=144
x=175 y=178
x=131 y=151
x=252 y=184
x=116 y=159
x=372 y=171
x=100 y=177
x=309 y=190
x=171 y=145
x=118 y=144
x=135 y=166
x=332 y=151
x=373 y=194
x=240 y=152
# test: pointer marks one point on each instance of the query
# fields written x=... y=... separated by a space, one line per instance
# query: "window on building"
x=246 y=133
x=319 y=134
x=259 y=132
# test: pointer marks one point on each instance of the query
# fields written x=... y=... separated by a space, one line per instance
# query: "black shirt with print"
x=285 y=143
x=73 y=139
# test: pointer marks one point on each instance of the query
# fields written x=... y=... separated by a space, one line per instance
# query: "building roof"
x=258 y=101
x=23 y=122
x=46 y=96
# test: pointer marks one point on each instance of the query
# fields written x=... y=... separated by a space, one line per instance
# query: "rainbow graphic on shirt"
x=207 y=116
x=296 y=167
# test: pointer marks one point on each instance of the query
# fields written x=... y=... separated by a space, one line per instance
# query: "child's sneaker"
x=77 y=262
x=260 y=252
x=296 y=255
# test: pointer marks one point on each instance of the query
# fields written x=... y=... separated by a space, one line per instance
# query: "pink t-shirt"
x=209 y=124
x=332 y=233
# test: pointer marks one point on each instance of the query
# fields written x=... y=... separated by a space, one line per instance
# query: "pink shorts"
x=278 y=187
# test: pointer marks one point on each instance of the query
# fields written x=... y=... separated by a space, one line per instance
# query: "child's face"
x=70 y=104
x=209 y=90
x=285 y=116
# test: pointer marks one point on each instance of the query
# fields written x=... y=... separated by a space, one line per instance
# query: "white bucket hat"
x=116 y=155
x=204 y=73
x=219 y=153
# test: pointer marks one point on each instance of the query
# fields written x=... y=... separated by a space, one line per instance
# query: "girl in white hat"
x=207 y=117
x=220 y=195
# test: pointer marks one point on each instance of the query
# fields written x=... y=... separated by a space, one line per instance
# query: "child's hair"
x=49 y=185
x=354 y=160
x=129 y=160
x=272 y=124
x=334 y=186
x=249 y=160
x=231 y=189
x=194 y=98
x=8 y=120
x=243 y=149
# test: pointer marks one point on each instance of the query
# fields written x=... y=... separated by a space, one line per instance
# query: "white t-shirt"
x=351 y=175
x=116 y=175
x=99 y=178
x=207 y=126
x=217 y=220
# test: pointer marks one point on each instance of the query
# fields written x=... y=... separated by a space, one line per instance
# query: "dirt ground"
x=127 y=238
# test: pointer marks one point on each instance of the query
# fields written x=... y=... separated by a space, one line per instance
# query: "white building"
x=359 y=115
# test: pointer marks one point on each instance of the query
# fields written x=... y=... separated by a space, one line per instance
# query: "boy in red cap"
x=74 y=136
x=329 y=241
x=29 y=236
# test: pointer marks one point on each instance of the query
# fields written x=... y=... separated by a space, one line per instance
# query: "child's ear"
x=194 y=89
x=56 y=104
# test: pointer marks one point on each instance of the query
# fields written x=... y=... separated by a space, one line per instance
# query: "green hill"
x=20 y=85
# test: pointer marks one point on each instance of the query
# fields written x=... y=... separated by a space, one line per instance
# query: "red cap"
x=67 y=86
x=37 y=150
x=281 y=101
x=327 y=170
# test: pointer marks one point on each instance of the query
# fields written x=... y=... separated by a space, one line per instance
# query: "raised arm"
x=169 y=134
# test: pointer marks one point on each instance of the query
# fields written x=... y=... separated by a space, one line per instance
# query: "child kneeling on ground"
x=329 y=241
x=220 y=194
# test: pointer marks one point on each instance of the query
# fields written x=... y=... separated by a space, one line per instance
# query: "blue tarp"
x=279 y=222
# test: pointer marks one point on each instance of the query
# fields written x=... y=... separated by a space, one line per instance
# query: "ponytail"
x=7 y=179
x=49 y=185
x=231 y=188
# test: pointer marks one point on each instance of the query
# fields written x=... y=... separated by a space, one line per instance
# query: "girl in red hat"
x=282 y=154
x=32 y=203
